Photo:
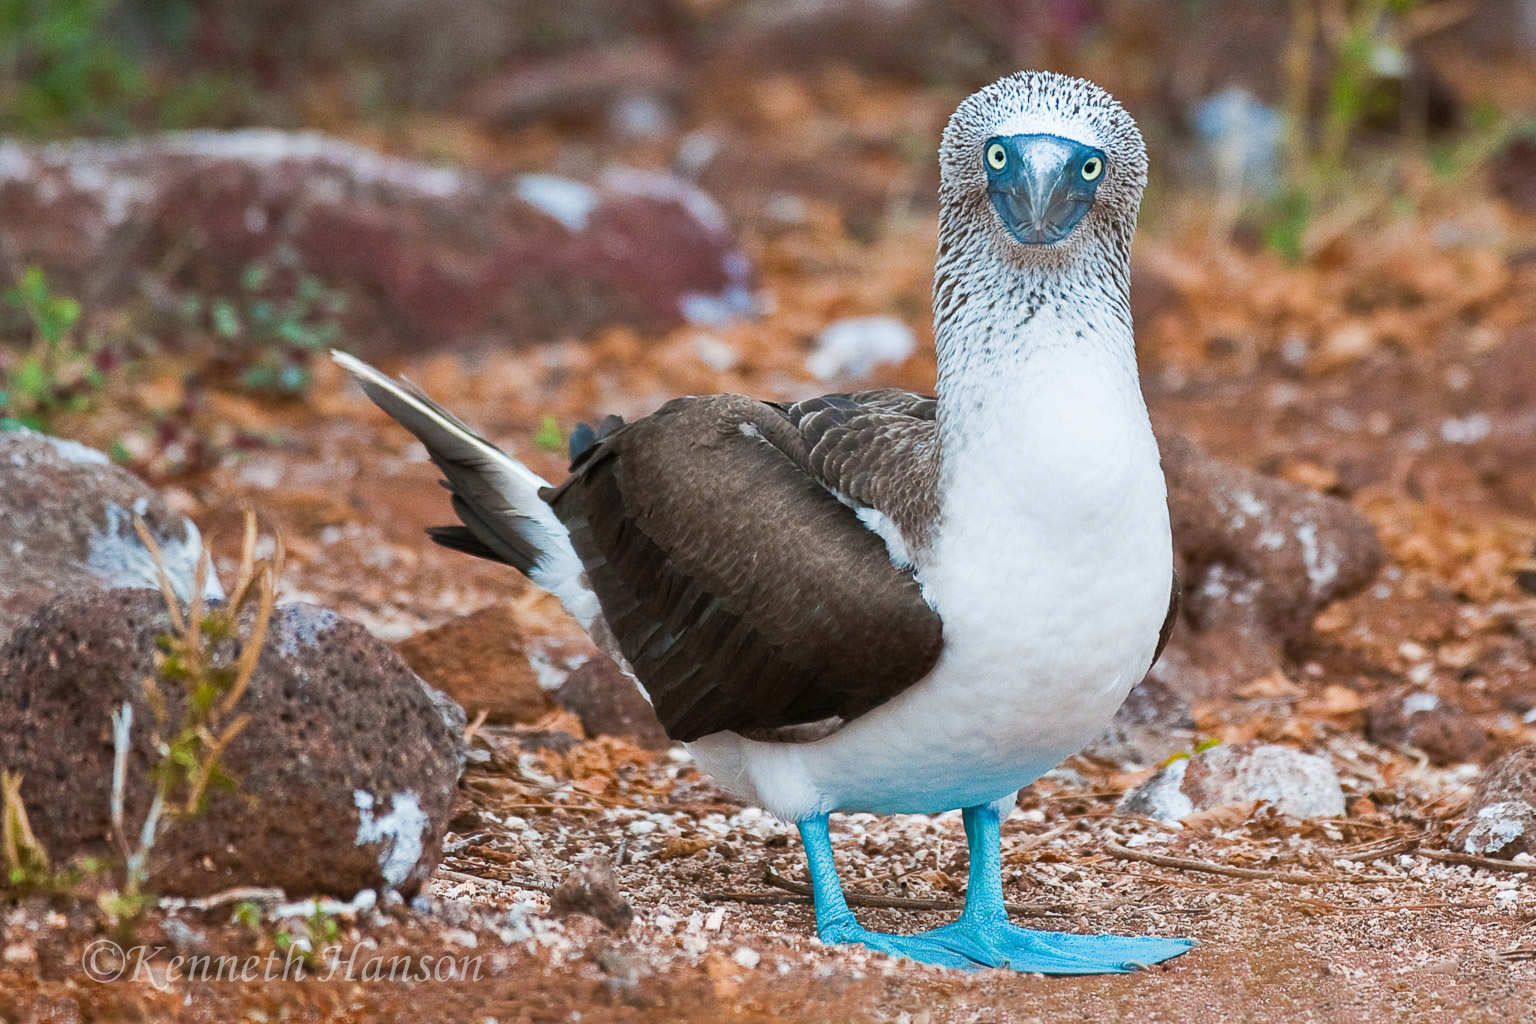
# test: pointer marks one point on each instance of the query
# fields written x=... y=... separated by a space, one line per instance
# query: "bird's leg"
x=835 y=922
x=984 y=937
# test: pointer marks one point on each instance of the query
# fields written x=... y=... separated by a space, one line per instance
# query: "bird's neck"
x=1039 y=399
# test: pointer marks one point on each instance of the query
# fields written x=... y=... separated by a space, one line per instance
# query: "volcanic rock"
x=427 y=256
x=610 y=704
x=481 y=662
x=66 y=523
x=1501 y=819
x=1441 y=728
x=1258 y=558
x=342 y=779
x=1296 y=784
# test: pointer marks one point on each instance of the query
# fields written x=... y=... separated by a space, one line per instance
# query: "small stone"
x=1441 y=728
x=855 y=346
x=1296 y=784
x=592 y=888
x=609 y=703
x=1501 y=819
x=481 y=662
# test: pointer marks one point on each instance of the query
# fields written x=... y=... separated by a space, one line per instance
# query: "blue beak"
x=1041 y=185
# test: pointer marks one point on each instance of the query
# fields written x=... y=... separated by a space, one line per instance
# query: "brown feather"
x=744 y=595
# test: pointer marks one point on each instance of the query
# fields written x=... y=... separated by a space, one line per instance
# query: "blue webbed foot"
x=982 y=937
x=847 y=931
x=996 y=943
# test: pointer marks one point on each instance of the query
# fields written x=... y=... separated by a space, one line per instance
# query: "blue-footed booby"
x=883 y=601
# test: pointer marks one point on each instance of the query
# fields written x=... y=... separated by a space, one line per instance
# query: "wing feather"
x=742 y=591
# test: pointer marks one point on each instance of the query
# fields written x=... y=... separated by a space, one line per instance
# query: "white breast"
x=1051 y=567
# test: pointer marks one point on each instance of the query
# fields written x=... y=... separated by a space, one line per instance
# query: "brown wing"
x=876 y=449
x=742 y=592
x=1171 y=618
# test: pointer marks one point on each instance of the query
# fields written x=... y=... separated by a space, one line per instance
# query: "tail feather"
x=463 y=539
x=496 y=497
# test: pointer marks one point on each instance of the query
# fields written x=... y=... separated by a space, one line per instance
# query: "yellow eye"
x=997 y=156
x=1092 y=168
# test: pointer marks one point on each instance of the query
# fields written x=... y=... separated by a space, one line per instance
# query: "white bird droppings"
x=569 y=202
x=401 y=830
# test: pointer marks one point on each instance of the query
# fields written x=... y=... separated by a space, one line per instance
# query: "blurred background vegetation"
x=1285 y=128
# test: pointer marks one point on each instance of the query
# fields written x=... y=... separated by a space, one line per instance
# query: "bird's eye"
x=1092 y=168
x=997 y=156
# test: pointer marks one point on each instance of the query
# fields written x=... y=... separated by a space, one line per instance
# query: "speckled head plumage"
x=1040 y=103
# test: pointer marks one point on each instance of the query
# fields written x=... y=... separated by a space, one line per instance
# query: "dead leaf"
x=1274 y=686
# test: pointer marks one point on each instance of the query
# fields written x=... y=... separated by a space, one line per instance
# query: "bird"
x=883 y=601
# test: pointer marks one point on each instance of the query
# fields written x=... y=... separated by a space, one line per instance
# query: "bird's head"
x=1042 y=167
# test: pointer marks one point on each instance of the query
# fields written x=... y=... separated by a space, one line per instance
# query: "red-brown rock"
x=1501 y=819
x=344 y=775
x=1259 y=558
x=66 y=523
x=480 y=661
x=1441 y=728
x=609 y=704
x=428 y=256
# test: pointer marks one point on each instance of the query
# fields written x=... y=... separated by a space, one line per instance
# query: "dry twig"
x=1486 y=863
x=1257 y=874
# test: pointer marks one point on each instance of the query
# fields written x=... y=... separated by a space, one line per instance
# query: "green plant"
x=247 y=914
x=321 y=930
x=1357 y=49
x=191 y=732
x=273 y=329
x=70 y=67
x=549 y=436
x=54 y=373
x=1209 y=743
x=61 y=63
x=28 y=868
x=194 y=705
x=26 y=862
x=1361 y=43
x=1285 y=220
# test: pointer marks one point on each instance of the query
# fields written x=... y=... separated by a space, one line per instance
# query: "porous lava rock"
x=481 y=661
x=66 y=523
x=610 y=704
x=343 y=778
x=1295 y=784
x=1258 y=558
x=1152 y=725
x=1501 y=819
x=1441 y=728
x=428 y=256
